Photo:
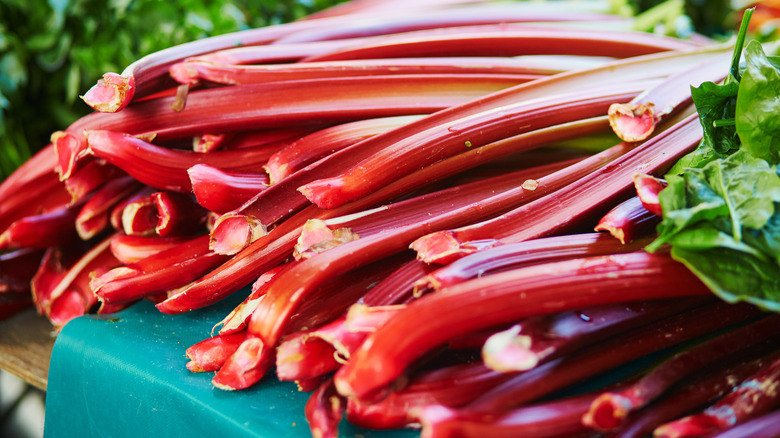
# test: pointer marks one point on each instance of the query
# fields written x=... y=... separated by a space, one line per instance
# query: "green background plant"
x=53 y=50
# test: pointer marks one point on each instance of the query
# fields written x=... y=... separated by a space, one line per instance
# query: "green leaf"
x=698 y=158
x=717 y=102
x=748 y=186
x=735 y=276
x=767 y=239
x=757 y=105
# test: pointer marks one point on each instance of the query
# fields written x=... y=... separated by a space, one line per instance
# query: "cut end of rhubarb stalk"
x=325 y=193
x=184 y=73
x=245 y=367
x=316 y=237
x=110 y=94
x=647 y=189
x=69 y=149
x=509 y=351
x=276 y=172
x=442 y=247
x=630 y=122
x=233 y=232
x=607 y=412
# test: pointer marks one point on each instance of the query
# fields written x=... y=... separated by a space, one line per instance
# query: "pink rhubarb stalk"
x=324 y=411
x=610 y=409
x=231 y=74
x=515 y=255
x=537 y=339
x=210 y=354
x=575 y=203
x=647 y=189
x=111 y=94
x=43 y=230
x=508 y=40
x=166 y=270
x=503 y=298
x=312 y=147
x=281 y=199
x=95 y=215
x=221 y=191
x=130 y=249
x=755 y=396
x=427 y=147
x=628 y=221
x=162 y=168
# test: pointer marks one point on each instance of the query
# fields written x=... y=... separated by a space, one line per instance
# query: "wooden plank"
x=26 y=341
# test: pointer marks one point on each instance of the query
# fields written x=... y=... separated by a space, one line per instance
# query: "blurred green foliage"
x=53 y=50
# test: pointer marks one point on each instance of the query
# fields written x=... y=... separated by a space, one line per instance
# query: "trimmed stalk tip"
x=110 y=94
x=632 y=123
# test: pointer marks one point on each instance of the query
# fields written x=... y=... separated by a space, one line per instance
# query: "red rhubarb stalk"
x=221 y=191
x=390 y=22
x=94 y=216
x=692 y=394
x=162 y=168
x=178 y=214
x=281 y=199
x=245 y=367
x=166 y=270
x=17 y=268
x=130 y=249
x=636 y=120
x=210 y=354
x=450 y=386
x=238 y=318
x=40 y=166
x=93 y=175
x=149 y=74
x=427 y=147
x=383 y=231
x=572 y=205
x=672 y=93
x=610 y=409
x=755 y=396
x=312 y=147
x=296 y=103
x=537 y=339
x=274 y=247
x=628 y=221
x=231 y=74
x=256 y=208
x=647 y=189
x=324 y=411
x=542 y=420
x=43 y=230
x=761 y=427
x=110 y=94
x=598 y=358
x=508 y=40
x=31 y=197
x=514 y=255
x=503 y=298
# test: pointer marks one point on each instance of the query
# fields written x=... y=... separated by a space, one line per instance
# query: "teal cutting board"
x=124 y=375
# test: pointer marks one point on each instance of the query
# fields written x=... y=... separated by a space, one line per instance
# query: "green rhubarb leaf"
x=767 y=239
x=715 y=104
x=735 y=276
x=686 y=201
x=748 y=186
x=696 y=159
x=757 y=105
x=706 y=236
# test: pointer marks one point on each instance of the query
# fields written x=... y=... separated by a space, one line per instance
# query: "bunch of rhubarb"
x=443 y=214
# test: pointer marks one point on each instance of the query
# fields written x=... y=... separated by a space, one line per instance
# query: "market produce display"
x=470 y=217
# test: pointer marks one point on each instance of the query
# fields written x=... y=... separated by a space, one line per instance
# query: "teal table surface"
x=124 y=375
